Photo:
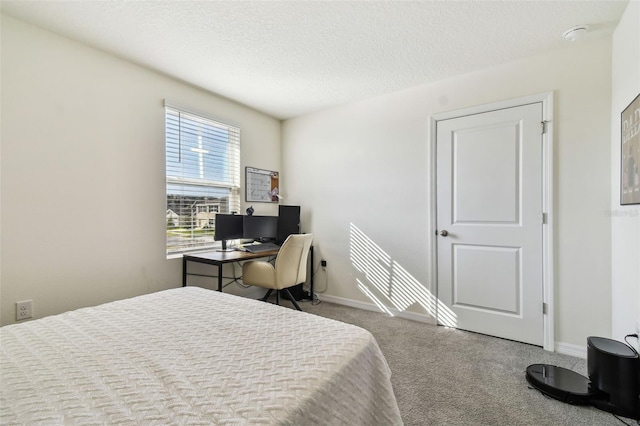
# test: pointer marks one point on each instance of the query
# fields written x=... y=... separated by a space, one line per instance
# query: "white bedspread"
x=191 y=356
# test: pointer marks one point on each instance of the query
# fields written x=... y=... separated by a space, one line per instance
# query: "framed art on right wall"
x=630 y=154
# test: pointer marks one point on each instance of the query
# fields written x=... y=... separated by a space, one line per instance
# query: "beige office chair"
x=290 y=268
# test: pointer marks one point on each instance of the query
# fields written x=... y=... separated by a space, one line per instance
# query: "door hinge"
x=543 y=124
x=544 y=308
x=544 y=218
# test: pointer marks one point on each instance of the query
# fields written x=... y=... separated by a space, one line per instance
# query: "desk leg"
x=311 y=279
x=220 y=277
x=184 y=271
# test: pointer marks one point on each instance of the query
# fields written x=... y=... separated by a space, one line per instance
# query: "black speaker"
x=297 y=292
x=288 y=222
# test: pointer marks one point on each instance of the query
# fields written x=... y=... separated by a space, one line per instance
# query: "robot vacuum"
x=560 y=383
x=613 y=384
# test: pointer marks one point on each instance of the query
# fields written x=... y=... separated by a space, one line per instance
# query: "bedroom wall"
x=362 y=171
x=83 y=201
x=625 y=220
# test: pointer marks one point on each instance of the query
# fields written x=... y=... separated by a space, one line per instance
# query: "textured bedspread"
x=190 y=356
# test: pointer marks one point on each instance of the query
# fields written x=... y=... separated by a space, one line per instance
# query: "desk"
x=219 y=258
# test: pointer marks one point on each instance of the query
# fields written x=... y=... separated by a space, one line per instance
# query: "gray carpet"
x=444 y=376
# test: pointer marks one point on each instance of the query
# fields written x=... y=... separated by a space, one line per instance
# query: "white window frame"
x=213 y=176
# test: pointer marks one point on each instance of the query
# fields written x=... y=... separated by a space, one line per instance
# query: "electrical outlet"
x=323 y=263
x=23 y=310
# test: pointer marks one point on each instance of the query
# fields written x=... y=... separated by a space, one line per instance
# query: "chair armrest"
x=258 y=273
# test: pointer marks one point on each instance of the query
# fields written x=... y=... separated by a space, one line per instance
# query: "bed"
x=191 y=356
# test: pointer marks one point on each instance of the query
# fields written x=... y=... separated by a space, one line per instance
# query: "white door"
x=489 y=222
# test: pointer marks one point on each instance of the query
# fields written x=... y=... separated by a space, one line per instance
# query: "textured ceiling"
x=291 y=58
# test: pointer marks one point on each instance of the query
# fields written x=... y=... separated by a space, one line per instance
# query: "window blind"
x=202 y=177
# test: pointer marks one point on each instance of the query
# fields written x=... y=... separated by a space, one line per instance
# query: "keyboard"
x=259 y=248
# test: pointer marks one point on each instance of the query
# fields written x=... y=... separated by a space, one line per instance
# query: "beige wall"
x=625 y=220
x=366 y=165
x=83 y=201
x=83 y=128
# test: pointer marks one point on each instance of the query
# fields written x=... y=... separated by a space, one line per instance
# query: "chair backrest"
x=291 y=263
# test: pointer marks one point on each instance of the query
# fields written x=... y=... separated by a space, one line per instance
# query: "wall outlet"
x=323 y=263
x=24 y=310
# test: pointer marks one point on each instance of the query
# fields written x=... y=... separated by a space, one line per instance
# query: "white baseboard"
x=560 y=347
x=572 y=350
x=372 y=307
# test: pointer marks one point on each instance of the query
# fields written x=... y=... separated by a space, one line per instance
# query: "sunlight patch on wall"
x=389 y=284
x=363 y=288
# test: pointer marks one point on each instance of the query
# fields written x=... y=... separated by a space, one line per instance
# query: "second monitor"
x=262 y=228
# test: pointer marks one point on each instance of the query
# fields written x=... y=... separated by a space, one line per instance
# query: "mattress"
x=191 y=356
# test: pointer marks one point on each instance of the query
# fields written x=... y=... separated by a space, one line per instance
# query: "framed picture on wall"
x=630 y=154
x=262 y=185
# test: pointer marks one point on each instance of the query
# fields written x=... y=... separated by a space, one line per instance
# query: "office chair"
x=290 y=268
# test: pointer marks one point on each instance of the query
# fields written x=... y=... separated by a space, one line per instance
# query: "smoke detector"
x=574 y=33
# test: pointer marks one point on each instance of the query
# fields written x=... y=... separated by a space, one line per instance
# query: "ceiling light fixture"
x=573 y=34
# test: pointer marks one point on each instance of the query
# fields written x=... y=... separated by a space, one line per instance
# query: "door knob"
x=444 y=232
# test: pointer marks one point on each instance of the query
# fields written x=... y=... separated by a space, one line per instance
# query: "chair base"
x=266 y=296
x=286 y=293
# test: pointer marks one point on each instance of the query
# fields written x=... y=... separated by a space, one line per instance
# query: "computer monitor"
x=288 y=222
x=263 y=228
x=228 y=227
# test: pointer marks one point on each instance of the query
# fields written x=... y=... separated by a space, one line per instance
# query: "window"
x=203 y=177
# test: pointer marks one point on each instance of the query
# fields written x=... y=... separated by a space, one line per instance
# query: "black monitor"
x=228 y=227
x=288 y=222
x=263 y=228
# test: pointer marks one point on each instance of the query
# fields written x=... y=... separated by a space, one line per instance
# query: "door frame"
x=548 y=269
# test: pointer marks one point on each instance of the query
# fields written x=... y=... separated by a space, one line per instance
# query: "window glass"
x=202 y=178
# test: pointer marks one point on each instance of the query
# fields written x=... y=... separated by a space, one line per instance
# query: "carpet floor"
x=444 y=376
